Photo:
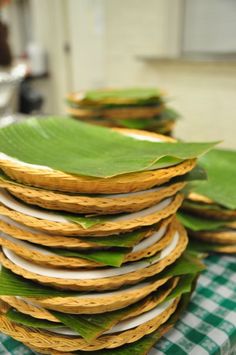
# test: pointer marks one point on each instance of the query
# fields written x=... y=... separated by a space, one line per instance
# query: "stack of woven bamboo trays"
x=113 y=305
x=139 y=108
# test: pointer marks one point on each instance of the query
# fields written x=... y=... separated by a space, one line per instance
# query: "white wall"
x=49 y=30
x=205 y=93
x=87 y=35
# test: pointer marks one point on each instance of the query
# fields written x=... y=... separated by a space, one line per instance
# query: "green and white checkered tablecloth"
x=207 y=327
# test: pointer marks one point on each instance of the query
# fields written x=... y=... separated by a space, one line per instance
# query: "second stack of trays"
x=135 y=108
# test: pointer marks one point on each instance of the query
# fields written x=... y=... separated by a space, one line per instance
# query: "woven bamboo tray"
x=19 y=231
x=108 y=283
x=86 y=204
x=55 y=260
x=65 y=343
x=225 y=214
x=226 y=249
x=225 y=237
x=56 y=180
x=38 y=312
x=103 y=302
x=116 y=113
x=101 y=229
x=161 y=331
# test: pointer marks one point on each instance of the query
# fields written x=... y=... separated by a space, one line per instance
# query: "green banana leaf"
x=118 y=98
x=186 y=264
x=203 y=206
x=184 y=286
x=29 y=321
x=126 y=240
x=169 y=114
x=105 y=257
x=85 y=222
x=92 y=326
x=14 y=285
x=137 y=94
x=195 y=223
x=79 y=148
x=139 y=123
x=220 y=165
x=198 y=173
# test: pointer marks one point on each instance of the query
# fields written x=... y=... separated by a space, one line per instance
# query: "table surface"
x=207 y=327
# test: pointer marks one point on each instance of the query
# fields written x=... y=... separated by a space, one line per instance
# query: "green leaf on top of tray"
x=196 y=223
x=169 y=114
x=198 y=173
x=184 y=286
x=84 y=221
x=126 y=240
x=106 y=257
x=76 y=147
x=132 y=95
x=190 y=204
x=138 y=123
x=14 y=285
x=186 y=264
x=220 y=165
x=29 y=321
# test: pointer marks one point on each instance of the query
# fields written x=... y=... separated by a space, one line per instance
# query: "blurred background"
x=185 y=47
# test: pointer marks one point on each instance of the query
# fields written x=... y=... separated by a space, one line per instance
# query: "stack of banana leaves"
x=92 y=256
x=209 y=210
x=135 y=108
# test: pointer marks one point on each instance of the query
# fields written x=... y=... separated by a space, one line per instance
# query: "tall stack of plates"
x=139 y=108
x=91 y=262
x=209 y=211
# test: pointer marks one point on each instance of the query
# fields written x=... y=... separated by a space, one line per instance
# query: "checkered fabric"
x=207 y=327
